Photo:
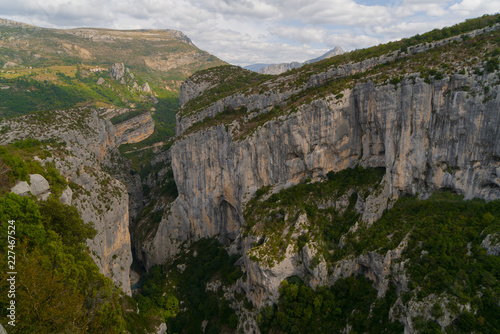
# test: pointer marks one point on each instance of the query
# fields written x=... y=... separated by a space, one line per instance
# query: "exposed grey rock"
x=135 y=129
x=145 y=88
x=22 y=188
x=66 y=196
x=9 y=64
x=336 y=51
x=2 y=330
x=44 y=196
x=279 y=68
x=101 y=81
x=117 y=71
x=106 y=204
x=492 y=244
x=190 y=90
x=39 y=184
x=162 y=329
x=256 y=67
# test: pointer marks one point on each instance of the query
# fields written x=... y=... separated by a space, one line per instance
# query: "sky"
x=243 y=32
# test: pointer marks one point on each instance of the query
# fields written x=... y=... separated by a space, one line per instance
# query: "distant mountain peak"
x=283 y=67
x=333 y=52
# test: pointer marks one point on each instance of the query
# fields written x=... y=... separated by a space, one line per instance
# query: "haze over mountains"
x=283 y=67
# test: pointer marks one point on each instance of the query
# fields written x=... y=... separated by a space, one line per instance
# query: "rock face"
x=492 y=244
x=38 y=187
x=132 y=130
x=190 y=90
x=117 y=71
x=427 y=134
x=99 y=197
x=135 y=129
x=407 y=130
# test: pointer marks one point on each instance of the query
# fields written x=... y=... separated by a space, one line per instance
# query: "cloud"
x=342 y=12
x=57 y=12
x=430 y=9
x=350 y=41
x=305 y=35
x=247 y=31
x=255 y=9
x=475 y=7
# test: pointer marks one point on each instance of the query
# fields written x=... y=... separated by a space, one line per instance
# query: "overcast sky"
x=244 y=32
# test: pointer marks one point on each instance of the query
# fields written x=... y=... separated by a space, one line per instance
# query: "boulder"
x=22 y=188
x=66 y=196
x=39 y=184
x=117 y=71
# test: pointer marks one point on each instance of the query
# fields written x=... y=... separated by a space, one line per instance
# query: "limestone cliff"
x=88 y=157
x=428 y=131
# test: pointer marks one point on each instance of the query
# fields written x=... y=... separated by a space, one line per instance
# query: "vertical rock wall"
x=99 y=197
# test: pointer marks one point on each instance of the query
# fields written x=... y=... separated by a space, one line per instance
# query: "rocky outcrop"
x=38 y=187
x=427 y=135
x=39 y=184
x=190 y=89
x=22 y=188
x=132 y=130
x=117 y=71
x=492 y=244
x=88 y=145
x=135 y=129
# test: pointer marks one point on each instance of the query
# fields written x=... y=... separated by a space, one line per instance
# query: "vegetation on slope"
x=164 y=57
x=226 y=80
x=476 y=55
x=59 y=288
x=350 y=303
x=17 y=162
x=67 y=88
x=444 y=260
x=270 y=216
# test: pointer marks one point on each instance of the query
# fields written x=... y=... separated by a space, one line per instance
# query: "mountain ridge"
x=283 y=67
x=253 y=169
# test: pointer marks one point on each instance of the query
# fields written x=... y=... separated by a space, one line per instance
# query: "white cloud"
x=242 y=8
x=350 y=41
x=247 y=31
x=305 y=35
x=342 y=12
x=476 y=7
